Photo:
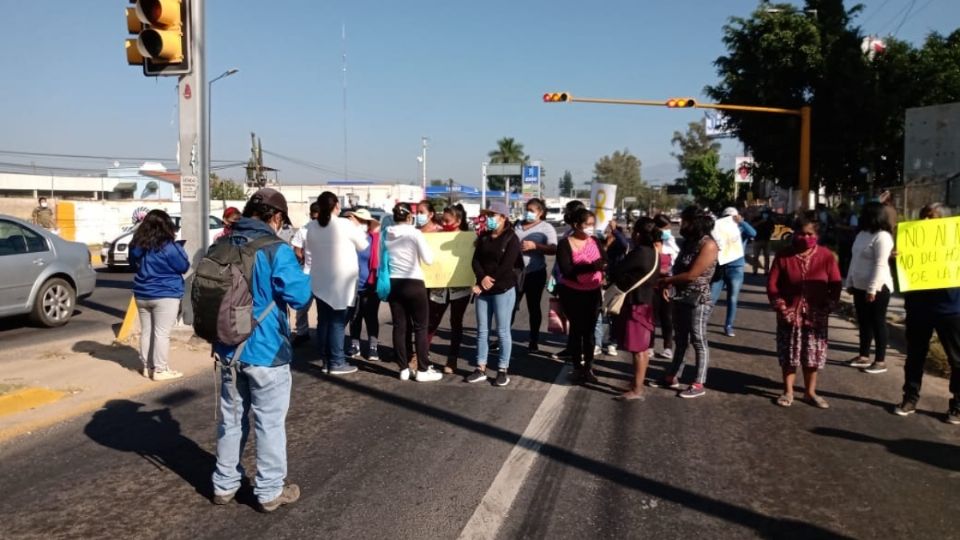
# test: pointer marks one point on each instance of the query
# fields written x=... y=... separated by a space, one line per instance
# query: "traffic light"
x=162 y=30
x=556 y=97
x=681 y=103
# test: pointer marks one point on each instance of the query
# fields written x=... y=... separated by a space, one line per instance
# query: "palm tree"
x=508 y=151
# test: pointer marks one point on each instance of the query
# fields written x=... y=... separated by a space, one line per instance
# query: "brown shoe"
x=289 y=495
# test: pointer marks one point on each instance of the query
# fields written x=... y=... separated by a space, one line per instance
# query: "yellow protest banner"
x=928 y=254
x=452 y=260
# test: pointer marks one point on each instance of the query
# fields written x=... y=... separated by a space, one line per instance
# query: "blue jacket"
x=277 y=277
x=159 y=271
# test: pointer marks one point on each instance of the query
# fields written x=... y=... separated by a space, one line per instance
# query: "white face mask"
x=43 y=204
x=589 y=231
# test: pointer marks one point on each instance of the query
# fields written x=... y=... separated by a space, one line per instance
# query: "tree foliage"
x=566 y=184
x=225 y=189
x=508 y=151
x=699 y=159
x=782 y=56
x=622 y=169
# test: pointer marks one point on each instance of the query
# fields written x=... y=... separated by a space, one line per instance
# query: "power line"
x=876 y=12
x=905 y=17
x=897 y=15
x=88 y=156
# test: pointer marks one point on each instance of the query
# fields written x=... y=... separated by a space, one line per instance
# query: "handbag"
x=556 y=320
x=613 y=298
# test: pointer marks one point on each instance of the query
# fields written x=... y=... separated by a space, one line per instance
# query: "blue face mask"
x=666 y=234
x=492 y=223
x=530 y=216
x=421 y=220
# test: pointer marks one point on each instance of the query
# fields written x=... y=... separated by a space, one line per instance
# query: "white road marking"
x=493 y=508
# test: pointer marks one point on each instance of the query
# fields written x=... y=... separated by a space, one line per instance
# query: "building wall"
x=931 y=165
x=82 y=187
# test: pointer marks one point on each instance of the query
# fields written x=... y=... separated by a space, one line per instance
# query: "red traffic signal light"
x=681 y=103
x=556 y=97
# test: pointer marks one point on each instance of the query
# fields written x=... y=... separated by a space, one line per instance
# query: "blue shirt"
x=159 y=271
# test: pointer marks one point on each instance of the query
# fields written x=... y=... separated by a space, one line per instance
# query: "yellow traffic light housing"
x=162 y=44
x=681 y=103
x=556 y=97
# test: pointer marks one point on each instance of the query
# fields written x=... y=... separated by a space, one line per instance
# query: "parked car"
x=43 y=274
x=554 y=215
x=116 y=253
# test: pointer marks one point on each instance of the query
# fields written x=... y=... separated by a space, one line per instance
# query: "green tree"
x=622 y=169
x=225 y=189
x=699 y=159
x=566 y=184
x=508 y=151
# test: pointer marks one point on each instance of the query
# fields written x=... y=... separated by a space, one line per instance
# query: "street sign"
x=531 y=174
x=188 y=189
x=743 y=170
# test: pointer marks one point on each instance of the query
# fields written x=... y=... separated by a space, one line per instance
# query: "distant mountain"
x=661 y=173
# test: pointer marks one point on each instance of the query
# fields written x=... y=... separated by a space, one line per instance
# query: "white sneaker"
x=430 y=375
x=167 y=375
x=404 y=374
x=597 y=351
x=666 y=353
x=611 y=350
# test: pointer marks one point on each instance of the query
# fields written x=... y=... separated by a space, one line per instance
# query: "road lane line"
x=493 y=508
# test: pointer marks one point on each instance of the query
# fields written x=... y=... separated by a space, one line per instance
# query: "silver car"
x=43 y=275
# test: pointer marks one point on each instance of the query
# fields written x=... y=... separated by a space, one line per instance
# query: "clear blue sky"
x=463 y=74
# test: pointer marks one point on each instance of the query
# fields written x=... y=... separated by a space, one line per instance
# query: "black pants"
x=582 y=309
x=872 y=320
x=919 y=331
x=663 y=311
x=367 y=311
x=408 y=306
x=533 y=285
x=457 y=309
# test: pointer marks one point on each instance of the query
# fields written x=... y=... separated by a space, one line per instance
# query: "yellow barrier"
x=129 y=320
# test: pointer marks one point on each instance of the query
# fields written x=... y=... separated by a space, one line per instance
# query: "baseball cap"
x=498 y=207
x=273 y=199
x=729 y=211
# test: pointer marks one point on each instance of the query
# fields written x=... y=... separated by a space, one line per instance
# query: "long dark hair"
x=696 y=223
x=646 y=232
x=570 y=209
x=873 y=218
x=155 y=231
x=580 y=216
x=460 y=213
x=328 y=203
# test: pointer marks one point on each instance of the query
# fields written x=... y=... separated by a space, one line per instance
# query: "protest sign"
x=452 y=260
x=726 y=232
x=928 y=254
x=603 y=203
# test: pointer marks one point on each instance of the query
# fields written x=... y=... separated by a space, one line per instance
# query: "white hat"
x=729 y=211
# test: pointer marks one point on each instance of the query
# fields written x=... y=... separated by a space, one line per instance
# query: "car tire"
x=54 y=304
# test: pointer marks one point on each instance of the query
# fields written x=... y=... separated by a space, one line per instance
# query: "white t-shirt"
x=334 y=268
x=300 y=242
x=407 y=248
x=870 y=262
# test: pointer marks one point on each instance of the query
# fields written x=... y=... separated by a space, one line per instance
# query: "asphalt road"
x=381 y=458
x=104 y=308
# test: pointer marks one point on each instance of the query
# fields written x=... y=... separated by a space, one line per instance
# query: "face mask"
x=421 y=220
x=43 y=205
x=589 y=231
x=666 y=235
x=805 y=242
x=450 y=227
x=530 y=216
x=492 y=223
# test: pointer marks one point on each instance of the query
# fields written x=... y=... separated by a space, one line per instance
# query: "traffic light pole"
x=194 y=161
x=804 y=113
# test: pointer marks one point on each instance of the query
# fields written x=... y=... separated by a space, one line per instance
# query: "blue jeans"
x=267 y=391
x=501 y=307
x=732 y=278
x=331 y=327
x=598 y=331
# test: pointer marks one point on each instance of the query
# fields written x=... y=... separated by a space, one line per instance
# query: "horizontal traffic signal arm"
x=673 y=103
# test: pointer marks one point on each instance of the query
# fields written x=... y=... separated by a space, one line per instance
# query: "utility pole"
x=483 y=185
x=423 y=164
x=194 y=162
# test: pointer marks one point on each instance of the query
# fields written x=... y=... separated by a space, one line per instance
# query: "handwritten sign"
x=726 y=232
x=603 y=203
x=928 y=254
x=452 y=260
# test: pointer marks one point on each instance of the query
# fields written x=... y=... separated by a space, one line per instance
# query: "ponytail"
x=328 y=203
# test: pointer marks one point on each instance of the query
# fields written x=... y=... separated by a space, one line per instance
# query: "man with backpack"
x=241 y=292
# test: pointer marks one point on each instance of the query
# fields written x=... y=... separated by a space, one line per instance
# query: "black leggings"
x=367 y=311
x=457 y=308
x=872 y=320
x=533 y=285
x=663 y=309
x=582 y=309
x=408 y=303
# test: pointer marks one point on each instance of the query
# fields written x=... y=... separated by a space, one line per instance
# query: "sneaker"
x=404 y=374
x=876 y=367
x=502 y=379
x=353 y=351
x=953 y=415
x=666 y=382
x=561 y=355
x=221 y=500
x=860 y=362
x=479 y=374
x=167 y=375
x=289 y=495
x=597 y=351
x=666 y=353
x=430 y=375
x=906 y=407
x=693 y=391
x=611 y=350
x=373 y=356
x=728 y=331
x=345 y=369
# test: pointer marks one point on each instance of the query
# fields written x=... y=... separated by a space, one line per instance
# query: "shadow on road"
x=125 y=355
x=103 y=308
x=765 y=526
x=942 y=455
x=155 y=436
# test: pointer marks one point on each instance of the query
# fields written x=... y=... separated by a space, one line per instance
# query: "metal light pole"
x=423 y=165
x=209 y=128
